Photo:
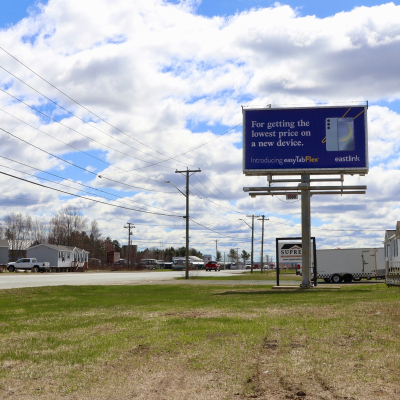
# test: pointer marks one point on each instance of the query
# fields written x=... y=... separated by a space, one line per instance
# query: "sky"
x=119 y=96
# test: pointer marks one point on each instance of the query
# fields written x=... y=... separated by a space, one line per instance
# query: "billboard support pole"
x=306 y=229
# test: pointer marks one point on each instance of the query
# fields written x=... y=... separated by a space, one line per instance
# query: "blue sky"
x=186 y=88
x=319 y=8
x=13 y=11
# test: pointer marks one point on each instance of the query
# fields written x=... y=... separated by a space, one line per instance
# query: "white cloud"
x=156 y=70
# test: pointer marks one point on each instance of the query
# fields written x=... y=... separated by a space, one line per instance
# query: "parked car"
x=213 y=266
x=30 y=264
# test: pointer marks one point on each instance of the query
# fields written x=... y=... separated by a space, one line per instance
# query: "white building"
x=59 y=256
x=392 y=255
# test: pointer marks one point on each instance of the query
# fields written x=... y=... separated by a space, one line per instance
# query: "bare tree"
x=95 y=233
x=56 y=231
x=95 y=241
x=67 y=224
x=18 y=231
x=39 y=232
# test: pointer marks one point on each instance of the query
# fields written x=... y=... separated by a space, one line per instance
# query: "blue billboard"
x=311 y=140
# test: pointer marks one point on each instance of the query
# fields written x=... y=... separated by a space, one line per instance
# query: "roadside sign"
x=317 y=140
x=290 y=252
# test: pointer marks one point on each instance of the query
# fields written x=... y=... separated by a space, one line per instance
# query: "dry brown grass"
x=233 y=344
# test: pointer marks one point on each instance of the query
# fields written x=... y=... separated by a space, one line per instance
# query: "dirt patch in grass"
x=135 y=375
x=230 y=344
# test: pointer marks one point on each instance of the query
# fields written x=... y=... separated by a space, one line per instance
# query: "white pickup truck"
x=30 y=264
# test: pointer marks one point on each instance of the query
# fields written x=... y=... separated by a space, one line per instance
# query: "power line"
x=77 y=183
x=103 y=120
x=212 y=230
x=76 y=148
x=82 y=168
x=87 y=198
x=84 y=121
x=218 y=205
x=87 y=137
x=217 y=189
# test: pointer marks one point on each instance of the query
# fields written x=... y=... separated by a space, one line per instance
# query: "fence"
x=392 y=277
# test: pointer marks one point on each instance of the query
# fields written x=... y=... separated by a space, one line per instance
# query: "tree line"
x=68 y=227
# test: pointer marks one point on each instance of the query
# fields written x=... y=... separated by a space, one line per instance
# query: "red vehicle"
x=213 y=266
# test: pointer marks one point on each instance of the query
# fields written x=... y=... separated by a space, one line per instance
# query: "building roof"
x=398 y=230
x=389 y=234
x=61 y=248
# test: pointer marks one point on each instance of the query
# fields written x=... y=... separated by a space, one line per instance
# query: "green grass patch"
x=246 y=275
x=101 y=340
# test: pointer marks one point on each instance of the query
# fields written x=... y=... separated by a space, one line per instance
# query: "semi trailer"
x=347 y=265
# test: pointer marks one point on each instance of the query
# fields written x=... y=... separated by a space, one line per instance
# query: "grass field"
x=285 y=275
x=199 y=342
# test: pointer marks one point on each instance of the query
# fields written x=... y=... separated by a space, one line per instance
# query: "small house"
x=392 y=255
x=59 y=256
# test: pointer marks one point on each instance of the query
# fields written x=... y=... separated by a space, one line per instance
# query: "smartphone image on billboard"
x=339 y=134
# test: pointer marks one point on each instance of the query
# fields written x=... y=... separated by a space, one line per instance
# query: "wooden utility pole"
x=129 y=237
x=188 y=172
x=262 y=243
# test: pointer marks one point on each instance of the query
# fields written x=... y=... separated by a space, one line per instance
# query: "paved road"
x=20 y=280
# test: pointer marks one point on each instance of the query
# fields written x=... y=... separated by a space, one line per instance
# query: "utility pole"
x=237 y=257
x=262 y=243
x=188 y=172
x=216 y=250
x=252 y=236
x=129 y=237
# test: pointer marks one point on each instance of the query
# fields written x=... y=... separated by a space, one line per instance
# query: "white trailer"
x=337 y=265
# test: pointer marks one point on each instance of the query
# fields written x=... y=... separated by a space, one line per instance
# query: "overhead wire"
x=76 y=148
x=105 y=121
x=77 y=183
x=223 y=206
x=209 y=211
x=212 y=230
x=82 y=168
x=79 y=133
x=215 y=188
x=87 y=122
x=88 y=198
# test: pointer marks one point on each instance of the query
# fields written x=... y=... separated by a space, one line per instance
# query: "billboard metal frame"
x=301 y=170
